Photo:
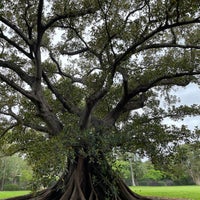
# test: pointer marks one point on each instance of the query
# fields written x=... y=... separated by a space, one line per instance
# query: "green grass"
x=186 y=192
x=8 y=194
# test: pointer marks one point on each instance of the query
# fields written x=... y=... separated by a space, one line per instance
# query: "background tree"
x=2 y=174
x=128 y=165
x=188 y=161
x=15 y=174
x=151 y=175
x=146 y=173
x=73 y=76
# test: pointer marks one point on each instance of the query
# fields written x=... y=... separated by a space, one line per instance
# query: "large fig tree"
x=81 y=80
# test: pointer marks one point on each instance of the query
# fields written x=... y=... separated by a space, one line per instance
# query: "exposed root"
x=85 y=181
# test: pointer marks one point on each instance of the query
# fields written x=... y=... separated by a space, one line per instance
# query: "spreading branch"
x=16 y=87
x=133 y=48
x=18 y=70
x=70 y=14
x=111 y=117
x=14 y=44
x=167 y=45
x=16 y=29
x=66 y=104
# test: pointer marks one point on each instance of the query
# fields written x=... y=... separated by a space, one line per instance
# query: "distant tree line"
x=15 y=174
x=184 y=168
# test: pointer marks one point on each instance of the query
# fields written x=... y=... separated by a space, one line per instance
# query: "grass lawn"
x=8 y=194
x=186 y=192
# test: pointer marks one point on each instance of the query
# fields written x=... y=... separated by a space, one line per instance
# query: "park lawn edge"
x=184 y=192
x=9 y=194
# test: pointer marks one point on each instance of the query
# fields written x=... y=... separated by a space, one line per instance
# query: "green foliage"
x=123 y=167
x=91 y=77
x=48 y=159
x=147 y=174
x=152 y=173
x=11 y=187
x=187 y=161
x=15 y=174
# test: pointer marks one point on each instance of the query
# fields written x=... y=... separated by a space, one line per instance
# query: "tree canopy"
x=83 y=78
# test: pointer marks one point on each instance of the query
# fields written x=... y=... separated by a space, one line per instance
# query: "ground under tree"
x=74 y=75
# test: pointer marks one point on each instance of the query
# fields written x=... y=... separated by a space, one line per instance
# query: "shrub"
x=11 y=187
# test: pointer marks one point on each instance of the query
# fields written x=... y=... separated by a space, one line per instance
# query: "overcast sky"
x=188 y=95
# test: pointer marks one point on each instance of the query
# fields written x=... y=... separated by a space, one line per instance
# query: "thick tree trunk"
x=197 y=180
x=86 y=180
